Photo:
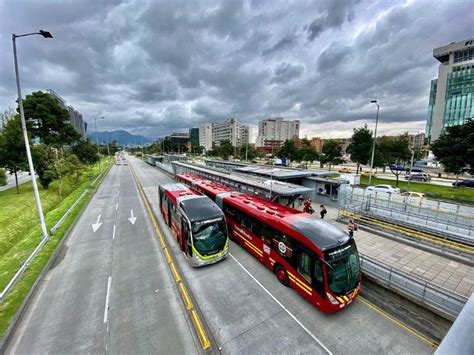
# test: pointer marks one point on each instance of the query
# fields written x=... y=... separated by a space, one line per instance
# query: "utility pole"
x=375 y=137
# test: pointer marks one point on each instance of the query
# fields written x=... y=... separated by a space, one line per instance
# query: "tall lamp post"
x=97 y=136
x=375 y=137
x=39 y=208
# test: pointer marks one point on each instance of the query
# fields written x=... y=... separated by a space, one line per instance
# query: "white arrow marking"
x=96 y=225
x=132 y=219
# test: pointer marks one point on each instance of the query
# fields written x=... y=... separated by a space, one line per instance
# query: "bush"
x=3 y=177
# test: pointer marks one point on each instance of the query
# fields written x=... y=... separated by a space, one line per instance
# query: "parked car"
x=345 y=170
x=419 y=177
x=382 y=188
x=465 y=183
x=415 y=194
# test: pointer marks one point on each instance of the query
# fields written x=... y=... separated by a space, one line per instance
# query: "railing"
x=425 y=292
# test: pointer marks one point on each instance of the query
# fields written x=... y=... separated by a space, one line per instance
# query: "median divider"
x=200 y=330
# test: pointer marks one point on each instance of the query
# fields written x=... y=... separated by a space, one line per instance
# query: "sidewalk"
x=439 y=270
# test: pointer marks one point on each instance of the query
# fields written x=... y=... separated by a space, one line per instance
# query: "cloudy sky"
x=153 y=67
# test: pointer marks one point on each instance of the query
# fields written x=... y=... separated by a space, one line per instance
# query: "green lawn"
x=20 y=234
x=461 y=194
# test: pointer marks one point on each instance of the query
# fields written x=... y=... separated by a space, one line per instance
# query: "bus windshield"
x=343 y=275
x=210 y=236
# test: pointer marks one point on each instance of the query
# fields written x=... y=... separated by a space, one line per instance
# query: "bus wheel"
x=282 y=275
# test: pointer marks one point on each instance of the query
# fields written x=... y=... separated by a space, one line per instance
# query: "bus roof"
x=200 y=208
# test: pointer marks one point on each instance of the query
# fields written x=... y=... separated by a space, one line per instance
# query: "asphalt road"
x=109 y=290
x=249 y=311
x=22 y=178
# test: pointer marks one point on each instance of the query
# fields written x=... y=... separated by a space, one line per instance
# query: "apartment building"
x=230 y=130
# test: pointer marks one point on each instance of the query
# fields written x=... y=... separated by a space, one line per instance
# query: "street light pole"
x=97 y=137
x=375 y=137
x=39 y=208
x=412 y=158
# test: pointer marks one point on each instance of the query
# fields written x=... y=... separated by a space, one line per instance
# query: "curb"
x=21 y=310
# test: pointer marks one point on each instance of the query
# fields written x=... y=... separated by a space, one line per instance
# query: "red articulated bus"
x=314 y=257
x=197 y=223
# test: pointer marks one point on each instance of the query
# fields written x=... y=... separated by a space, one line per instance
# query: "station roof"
x=277 y=187
x=276 y=173
x=328 y=180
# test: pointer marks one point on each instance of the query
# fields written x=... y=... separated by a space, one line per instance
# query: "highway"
x=249 y=311
x=109 y=290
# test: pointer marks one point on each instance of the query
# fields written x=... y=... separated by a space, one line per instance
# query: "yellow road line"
x=410 y=330
x=200 y=330
x=198 y=327
x=184 y=293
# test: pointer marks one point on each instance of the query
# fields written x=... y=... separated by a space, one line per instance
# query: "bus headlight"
x=331 y=299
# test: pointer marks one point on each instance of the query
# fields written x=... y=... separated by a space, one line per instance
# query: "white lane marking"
x=282 y=306
x=118 y=192
x=132 y=219
x=106 y=310
x=97 y=225
x=116 y=206
x=113 y=234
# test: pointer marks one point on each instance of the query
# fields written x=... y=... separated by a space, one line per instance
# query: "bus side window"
x=304 y=266
x=318 y=278
x=266 y=234
x=256 y=228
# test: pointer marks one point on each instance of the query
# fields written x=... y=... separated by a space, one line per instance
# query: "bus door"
x=185 y=241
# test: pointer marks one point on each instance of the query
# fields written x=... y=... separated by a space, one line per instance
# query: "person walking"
x=322 y=211
x=307 y=207
x=351 y=227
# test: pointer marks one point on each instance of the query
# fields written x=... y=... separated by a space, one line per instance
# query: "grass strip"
x=10 y=262
x=456 y=194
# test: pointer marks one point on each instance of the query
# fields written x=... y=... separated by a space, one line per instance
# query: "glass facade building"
x=451 y=100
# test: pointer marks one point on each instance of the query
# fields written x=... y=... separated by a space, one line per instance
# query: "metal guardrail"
x=425 y=292
x=38 y=248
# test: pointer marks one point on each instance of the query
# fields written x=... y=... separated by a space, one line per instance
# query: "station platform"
x=436 y=269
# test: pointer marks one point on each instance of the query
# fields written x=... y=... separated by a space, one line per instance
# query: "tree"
x=288 y=150
x=3 y=177
x=361 y=147
x=12 y=148
x=43 y=158
x=65 y=167
x=307 y=152
x=395 y=153
x=198 y=150
x=85 y=151
x=331 y=153
x=248 y=152
x=52 y=121
x=455 y=148
x=226 y=149
x=6 y=116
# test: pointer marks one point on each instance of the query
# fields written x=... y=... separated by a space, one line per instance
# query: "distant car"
x=415 y=194
x=382 y=188
x=301 y=166
x=118 y=162
x=367 y=173
x=345 y=170
x=125 y=162
x=465 y=183
x=254 y=162
x=419 y=177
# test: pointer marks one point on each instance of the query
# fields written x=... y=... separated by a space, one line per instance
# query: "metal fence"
x=452 y=220
x=425 y=292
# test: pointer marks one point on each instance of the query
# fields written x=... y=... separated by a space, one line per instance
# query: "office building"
x=205 y=135
x=274 y=131
x=451 y=100
x=75 y=118
x=194 y=138
x=230 y=130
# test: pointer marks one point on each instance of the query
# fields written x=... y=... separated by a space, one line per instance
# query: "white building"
x=75 y=118
x=205 y=135
x=231 y=130
x=451 y=99
x=277 y=129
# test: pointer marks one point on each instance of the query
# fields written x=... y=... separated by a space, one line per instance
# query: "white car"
x=382 y=189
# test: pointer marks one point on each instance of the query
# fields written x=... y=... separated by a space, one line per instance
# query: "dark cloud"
x=153 y=67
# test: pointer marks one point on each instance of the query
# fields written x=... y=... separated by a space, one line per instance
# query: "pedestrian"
x=307 y=207
x=351 y=227
x=301 y=200
x=323 y=211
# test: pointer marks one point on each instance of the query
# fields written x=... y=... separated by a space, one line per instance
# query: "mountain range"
x=122 y=137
